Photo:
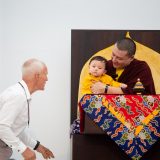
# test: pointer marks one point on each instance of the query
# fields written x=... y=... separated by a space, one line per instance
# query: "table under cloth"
x=132 y=121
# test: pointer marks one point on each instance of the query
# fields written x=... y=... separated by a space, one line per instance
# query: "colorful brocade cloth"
x=132 y=121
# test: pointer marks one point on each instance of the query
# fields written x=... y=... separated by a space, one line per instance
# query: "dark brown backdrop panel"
x=100 y=147
x=85 y=43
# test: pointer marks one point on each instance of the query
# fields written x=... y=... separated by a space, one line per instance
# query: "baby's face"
x=97 y=68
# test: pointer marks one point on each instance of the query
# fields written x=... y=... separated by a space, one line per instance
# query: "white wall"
x=42 y=29
x=1 y=31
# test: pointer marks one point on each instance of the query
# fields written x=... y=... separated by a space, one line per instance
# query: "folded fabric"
x=132 y=121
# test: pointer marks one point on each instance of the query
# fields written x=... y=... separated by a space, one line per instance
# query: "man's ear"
x=37 y=76
x=132 y=57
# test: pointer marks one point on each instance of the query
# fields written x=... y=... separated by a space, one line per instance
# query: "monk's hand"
x=98 y=88
x=46 y=153
x=123 y=85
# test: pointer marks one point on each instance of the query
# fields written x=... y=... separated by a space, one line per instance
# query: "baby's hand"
x=123 y=85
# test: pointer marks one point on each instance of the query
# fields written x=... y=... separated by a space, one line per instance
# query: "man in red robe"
x=124 y=68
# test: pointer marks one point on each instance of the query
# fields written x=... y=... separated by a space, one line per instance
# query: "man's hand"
x=98 y=88
x=46 y=153
x=28 y=154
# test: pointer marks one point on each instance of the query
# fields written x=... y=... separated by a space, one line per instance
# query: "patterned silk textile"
x=132 y=121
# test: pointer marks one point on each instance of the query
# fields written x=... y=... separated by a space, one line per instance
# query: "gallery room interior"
x=60 y=34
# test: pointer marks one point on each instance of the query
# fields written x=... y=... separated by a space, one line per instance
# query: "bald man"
x=14 y=113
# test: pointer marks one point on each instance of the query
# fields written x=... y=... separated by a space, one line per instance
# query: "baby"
x=97 y=73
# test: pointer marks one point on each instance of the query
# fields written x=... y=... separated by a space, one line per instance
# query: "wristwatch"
x=106 y=89
x=37 y=145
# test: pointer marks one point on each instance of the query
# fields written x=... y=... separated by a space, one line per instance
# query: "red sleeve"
x=138 y=69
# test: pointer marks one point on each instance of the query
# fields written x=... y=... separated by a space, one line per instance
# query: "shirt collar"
x=23 y=83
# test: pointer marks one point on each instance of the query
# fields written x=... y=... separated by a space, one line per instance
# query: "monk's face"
x=120 y=58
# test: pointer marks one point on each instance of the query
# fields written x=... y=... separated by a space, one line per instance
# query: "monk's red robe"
x=136 y=69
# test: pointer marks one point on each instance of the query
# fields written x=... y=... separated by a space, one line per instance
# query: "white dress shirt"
x=14 y=117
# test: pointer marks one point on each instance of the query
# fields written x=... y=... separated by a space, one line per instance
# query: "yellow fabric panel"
x=143 y=53
x=153 y=59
